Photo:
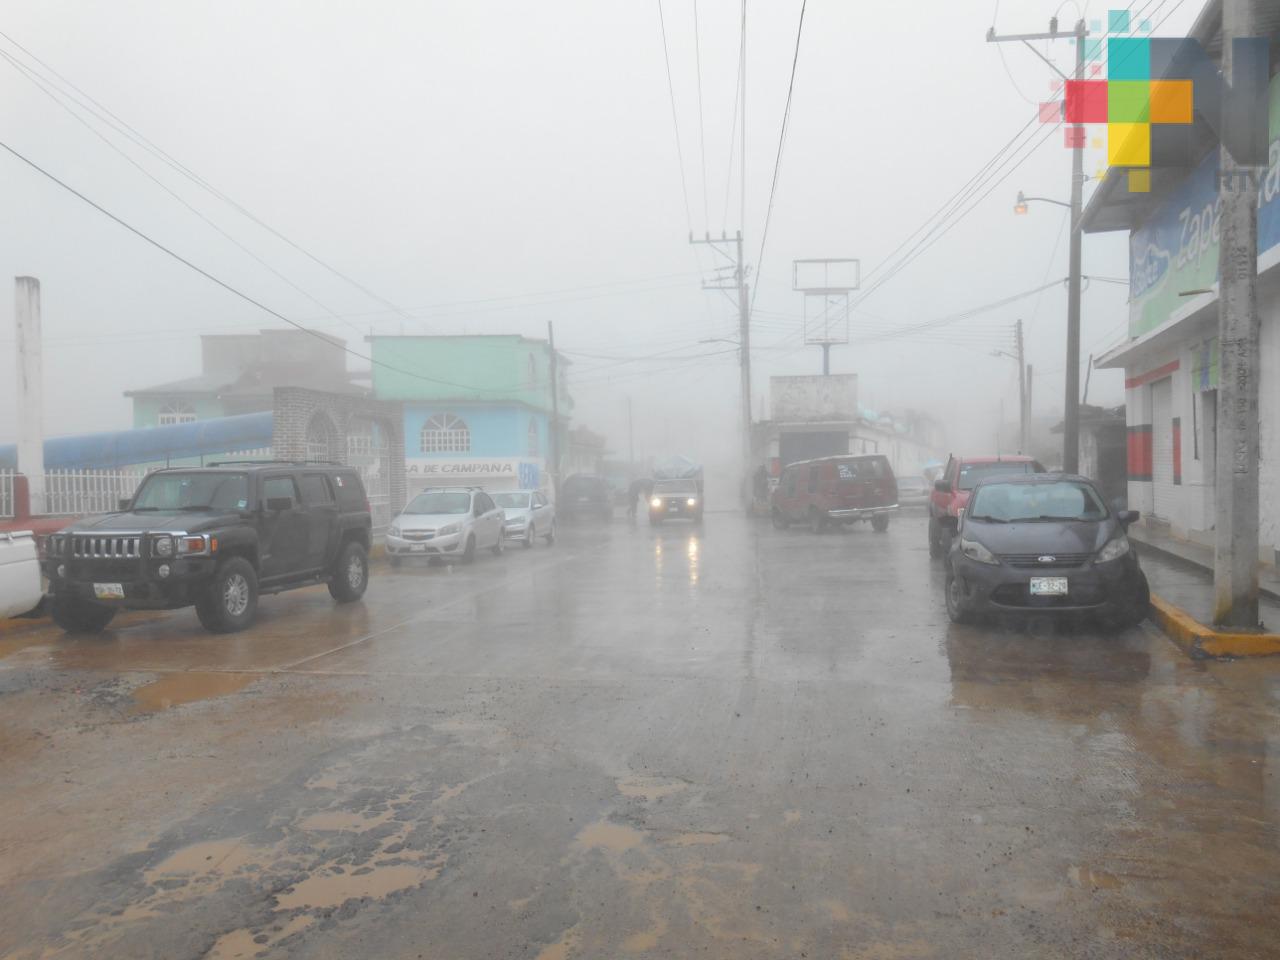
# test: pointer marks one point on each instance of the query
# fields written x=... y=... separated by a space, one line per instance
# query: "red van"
x=836 y=490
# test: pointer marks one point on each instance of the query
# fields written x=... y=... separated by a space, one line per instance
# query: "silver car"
x=529 y=515
x=451 y=523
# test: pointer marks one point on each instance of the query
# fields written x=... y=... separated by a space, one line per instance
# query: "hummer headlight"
x=162 y=546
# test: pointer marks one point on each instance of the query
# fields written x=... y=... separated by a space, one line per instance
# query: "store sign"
x=474 y=470
x=1176 y=250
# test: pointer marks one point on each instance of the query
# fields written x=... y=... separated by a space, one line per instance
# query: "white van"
x=20 y=585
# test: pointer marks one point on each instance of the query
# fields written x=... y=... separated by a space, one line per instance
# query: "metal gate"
x=1162 y=448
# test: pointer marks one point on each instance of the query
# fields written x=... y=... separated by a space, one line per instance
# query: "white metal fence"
x=77 y=492
x=6 y=493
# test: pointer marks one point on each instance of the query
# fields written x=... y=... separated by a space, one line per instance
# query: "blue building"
x=477 y=409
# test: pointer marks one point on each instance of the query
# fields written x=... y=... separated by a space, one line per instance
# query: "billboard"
x=1176 y=250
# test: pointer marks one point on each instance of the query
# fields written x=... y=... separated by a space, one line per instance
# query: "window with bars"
x=446 y=433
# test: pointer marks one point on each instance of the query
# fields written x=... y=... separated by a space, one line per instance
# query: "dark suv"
x=214 y=537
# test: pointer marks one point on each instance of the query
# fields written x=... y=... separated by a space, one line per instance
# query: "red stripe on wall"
x=1177 y=450
x=1150 y=375
x=1140 y=450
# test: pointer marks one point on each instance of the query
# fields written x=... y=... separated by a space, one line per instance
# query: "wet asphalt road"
x=727 y=742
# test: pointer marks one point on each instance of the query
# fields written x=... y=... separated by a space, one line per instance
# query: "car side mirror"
x=942 y=486
x=279 y=504
x=124 y=504
x=1127 y=517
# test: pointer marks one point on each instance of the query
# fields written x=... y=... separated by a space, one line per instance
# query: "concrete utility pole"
x=555 y=411
x=1022 y=390
x=1235 y=552
x=1071 y=411
x=739 y=281
x=30 y=382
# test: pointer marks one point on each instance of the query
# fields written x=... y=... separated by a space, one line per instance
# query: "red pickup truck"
x=951 y=491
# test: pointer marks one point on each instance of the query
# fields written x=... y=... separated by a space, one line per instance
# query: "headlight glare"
x=976 y=551
x=1114 y=549
x=692 y=501
x=655 y=502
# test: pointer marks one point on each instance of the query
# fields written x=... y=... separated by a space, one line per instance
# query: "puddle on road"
x=240 y=944
x=344 y=820
x=560 y=950
x=206 y=859
x=179 y=688
x=334 y=889
x=613 y=837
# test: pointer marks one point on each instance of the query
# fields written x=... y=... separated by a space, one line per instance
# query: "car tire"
x=880 y=523
x=551 y=534
x=80 y=616
x=529 y=536
x=955 y=601
x=350 y=573
x=779 y=521
x=817 y=522
x=230 y=601
x=469 y=551
x=935 y=537
x=1133 y=611
x=499 y=546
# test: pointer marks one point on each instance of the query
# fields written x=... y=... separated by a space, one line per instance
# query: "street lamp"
x=1020 y=207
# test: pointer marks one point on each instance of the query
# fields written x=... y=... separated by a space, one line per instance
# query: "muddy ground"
x=726 y=742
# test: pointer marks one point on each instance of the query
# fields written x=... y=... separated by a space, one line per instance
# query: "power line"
x=239 y=293
x=131 y=133
x=733 y=131
x=702 y=126
x=675 y=122
x=31 y=76
x=782 y=139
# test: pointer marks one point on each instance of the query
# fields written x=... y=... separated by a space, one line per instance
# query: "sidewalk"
x=1181 y=579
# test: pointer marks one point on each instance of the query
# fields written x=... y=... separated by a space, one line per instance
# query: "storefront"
x=1171 y=357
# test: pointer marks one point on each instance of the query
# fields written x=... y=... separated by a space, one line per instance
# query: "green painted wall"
x=494 y=368
x=146 y=409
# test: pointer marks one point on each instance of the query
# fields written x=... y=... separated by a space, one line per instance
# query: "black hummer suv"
x=214 y=537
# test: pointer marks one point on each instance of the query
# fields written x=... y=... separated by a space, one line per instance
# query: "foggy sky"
x=445 y=153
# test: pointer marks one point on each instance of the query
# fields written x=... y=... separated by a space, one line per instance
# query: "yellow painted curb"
x=1205 y=643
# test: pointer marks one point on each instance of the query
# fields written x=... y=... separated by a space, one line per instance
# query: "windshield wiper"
x=988 y=519
x=1046 y=517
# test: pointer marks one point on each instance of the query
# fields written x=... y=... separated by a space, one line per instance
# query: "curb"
x=1200 y=642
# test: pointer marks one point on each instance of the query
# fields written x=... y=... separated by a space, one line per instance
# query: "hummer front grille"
x=117 y=547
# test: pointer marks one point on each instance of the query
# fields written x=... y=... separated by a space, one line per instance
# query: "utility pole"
x=738 y=280
x=1235 y=551
x=631 y=440
x=1071 y=411
x=29 y=342
x=1022 y=390
x=555 y=411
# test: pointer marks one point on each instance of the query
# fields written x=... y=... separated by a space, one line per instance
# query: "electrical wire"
x=675 y=122
x=702 y=125
x=125 y=129
x=777 y=162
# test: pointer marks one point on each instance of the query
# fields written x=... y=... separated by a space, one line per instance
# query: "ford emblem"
x=1046 y=559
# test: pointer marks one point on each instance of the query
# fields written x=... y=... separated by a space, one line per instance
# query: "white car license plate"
x=673 y=507
x=108 y=591
x=417 y=548
x=1048 y=586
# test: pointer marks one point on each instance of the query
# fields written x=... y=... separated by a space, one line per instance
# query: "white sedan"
x=529 y=515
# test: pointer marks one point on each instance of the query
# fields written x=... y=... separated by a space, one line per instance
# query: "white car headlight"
x=976 y=551
x=394 y=531
x=449 y=529
x=1114 y=549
